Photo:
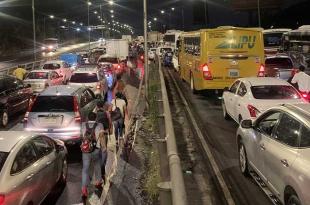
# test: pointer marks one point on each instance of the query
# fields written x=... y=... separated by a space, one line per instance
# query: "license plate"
x=233 y=73
x=49 y=120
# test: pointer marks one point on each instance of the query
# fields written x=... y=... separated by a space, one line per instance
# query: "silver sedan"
x=30 y=166
x=275 y=150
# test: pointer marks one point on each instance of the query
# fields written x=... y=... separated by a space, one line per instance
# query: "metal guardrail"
x=28 y=66
x=172 y=187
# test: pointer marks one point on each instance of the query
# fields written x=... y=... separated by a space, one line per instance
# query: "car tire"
x=243 y=161
x=4 y=120
x=293 y=200
x=192 y=84
x=64 y=173
x=225 y=114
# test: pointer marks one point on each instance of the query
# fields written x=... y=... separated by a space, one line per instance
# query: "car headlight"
x=43 y=48
x=51 y=47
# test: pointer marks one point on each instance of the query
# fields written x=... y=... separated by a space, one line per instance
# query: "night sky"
x=130 y=12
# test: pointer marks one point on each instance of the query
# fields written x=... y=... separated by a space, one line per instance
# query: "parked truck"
x=154 y=36
x=117 y=48
x=127 y=37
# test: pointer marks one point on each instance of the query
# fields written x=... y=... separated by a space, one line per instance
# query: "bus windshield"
x=272 y=39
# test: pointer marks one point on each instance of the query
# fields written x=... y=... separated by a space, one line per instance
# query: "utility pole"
x=258 y=13
x=206 y=13
x=101 y=20
x=88 y=28
x=34 y=31
x=146 y=63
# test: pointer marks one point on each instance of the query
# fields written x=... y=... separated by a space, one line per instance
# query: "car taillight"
x=206 y=72
x=118 y=66
x=261 y=72
x=31 y=102
x=142 y=57
x=2 y=198
x=253 y=111
x=77 y=115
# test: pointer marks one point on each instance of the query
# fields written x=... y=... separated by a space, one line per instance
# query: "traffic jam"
x=244 y=92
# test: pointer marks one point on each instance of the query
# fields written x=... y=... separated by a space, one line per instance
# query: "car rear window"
x=84 y=78
x=3 y=156
x=37 y=75
x=108 y=60
x=280 y=62
x=274 y=92
x=53 y=104
x=51 y=66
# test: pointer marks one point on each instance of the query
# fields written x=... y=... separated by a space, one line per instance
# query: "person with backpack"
x=103 y=117
x=90 y=148
x=118 y=115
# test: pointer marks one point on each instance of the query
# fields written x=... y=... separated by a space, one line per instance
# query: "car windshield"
x=165 y=50
x=272 y=39
x=51 y=66
x=3 y=156
x=53 y=104
x=274 y=92
x=84 y=78
x=37 y=75
x=108 y=60
x=283 y=63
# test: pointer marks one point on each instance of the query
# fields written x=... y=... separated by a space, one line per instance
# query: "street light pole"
x=88 y=28
x=101 y=20
x=258 y=13
x=146 y=64
x=34 y=31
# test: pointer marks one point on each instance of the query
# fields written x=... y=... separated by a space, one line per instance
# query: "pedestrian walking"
x=118 y=114
x=301 y=81
x=19 y=73
x=90 y=148
x=103 y=117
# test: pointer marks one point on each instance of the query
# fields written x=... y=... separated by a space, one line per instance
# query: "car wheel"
x=64 y=172
x=194 y=91
x=293 y=200
x=243 y=161
x=225 y=114
x=4 y=118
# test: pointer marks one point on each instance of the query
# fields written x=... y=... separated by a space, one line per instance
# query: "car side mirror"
x=246 y=124
x=226 y=89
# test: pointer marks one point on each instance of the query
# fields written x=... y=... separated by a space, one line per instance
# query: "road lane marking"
x=205 y=146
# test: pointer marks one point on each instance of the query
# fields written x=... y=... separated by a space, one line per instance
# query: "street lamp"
x=111 y=2
x=89 y=3
x=111 y=11
x=155 y=19
x=112 y=16
x=81 y=24
x=162 y=11
x=73 y=22
x=64 y=20
x=172 y=9
x=52 y=16
x=34 y=30
x=95 y=12
x=78 y=29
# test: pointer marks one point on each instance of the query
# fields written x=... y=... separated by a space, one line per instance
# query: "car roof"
x=258 y=81
x=86 y=70
x=41 y=70
x=60 y=90
x=8 y=139
x=54 y=61
x=302 y=109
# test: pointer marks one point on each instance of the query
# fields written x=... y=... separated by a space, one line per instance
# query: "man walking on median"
x=118 y=114
x=90 y=148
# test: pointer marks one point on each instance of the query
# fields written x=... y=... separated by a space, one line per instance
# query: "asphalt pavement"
x=220 y=136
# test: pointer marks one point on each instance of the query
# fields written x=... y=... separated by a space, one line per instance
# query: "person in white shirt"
x=119 y=123
x=302 y=80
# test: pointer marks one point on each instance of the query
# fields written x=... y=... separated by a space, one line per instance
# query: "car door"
x=28 y=177
x=47 y=157
x=239 y=102
x=229 y=98
x=14 y=97
x=262 y=133
x=281 y=152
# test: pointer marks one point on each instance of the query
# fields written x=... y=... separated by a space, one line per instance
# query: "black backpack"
x=89 y=139
x=102 y=117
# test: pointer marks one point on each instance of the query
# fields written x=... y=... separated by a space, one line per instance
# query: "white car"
x=247 y=98
x=151 y=53
x=61 y=67
x=160 y=51
x=41 y=79
x=90 y=77
x=31 y=165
